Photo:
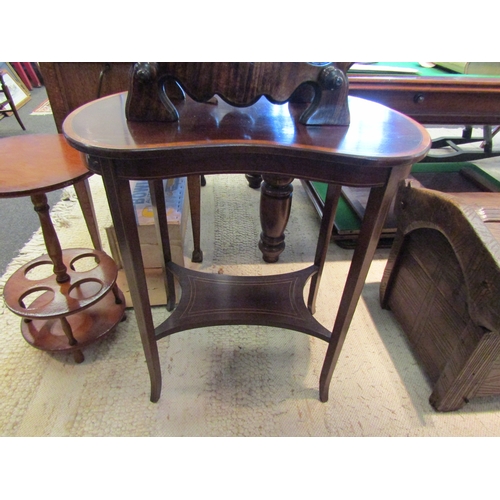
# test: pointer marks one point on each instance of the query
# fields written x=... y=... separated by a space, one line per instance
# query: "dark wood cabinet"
x=446 y=100
x=70 y=85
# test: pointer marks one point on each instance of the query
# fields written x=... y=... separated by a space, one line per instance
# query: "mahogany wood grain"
x=57 y=165
x=240 y=84
x=223 y=134
x=216 y=299
x=376 y=150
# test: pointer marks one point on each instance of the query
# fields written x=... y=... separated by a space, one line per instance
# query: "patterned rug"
x=230 y=380
x=43 y=109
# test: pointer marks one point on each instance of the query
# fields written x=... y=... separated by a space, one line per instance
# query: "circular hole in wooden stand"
x=85 y=289
x=42 y=296
x=85 y=262
x=39 y=270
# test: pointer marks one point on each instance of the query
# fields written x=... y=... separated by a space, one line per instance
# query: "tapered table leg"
x=82 y=189
x=377 y=208
x=194 y=191
x=122 y=213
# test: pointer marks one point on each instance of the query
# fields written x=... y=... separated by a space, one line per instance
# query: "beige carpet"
x=234 y=380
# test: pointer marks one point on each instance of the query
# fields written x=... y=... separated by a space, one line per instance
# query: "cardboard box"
x=177 y=205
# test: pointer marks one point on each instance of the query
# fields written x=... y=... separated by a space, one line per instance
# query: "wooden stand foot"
x=78 y=356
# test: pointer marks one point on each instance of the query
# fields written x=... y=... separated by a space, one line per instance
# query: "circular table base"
x=82 y=288
x=87 y=326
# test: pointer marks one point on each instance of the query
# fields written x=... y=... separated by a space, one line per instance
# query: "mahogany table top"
x=377 y=136
x=37 y=163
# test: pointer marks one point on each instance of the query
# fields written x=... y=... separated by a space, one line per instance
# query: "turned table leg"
x=56 y=256
x=275 y=205
x=254 y=180
x=77 y=354
x=50 y=237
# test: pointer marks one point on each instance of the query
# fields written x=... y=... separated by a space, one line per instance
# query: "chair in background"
x=332 y=138
x=4 y=89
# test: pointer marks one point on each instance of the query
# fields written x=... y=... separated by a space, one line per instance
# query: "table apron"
x=337 y=172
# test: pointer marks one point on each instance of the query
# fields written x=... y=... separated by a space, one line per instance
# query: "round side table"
x=67 y=298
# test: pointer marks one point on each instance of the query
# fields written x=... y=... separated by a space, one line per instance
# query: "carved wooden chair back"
x=155 y=87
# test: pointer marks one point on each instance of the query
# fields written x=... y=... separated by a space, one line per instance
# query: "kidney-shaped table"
x=376 y=150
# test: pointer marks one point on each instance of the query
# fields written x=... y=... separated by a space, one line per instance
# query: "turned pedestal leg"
x=254 y=180
x=275 y=205
x=50 y=237
x=55 y=253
